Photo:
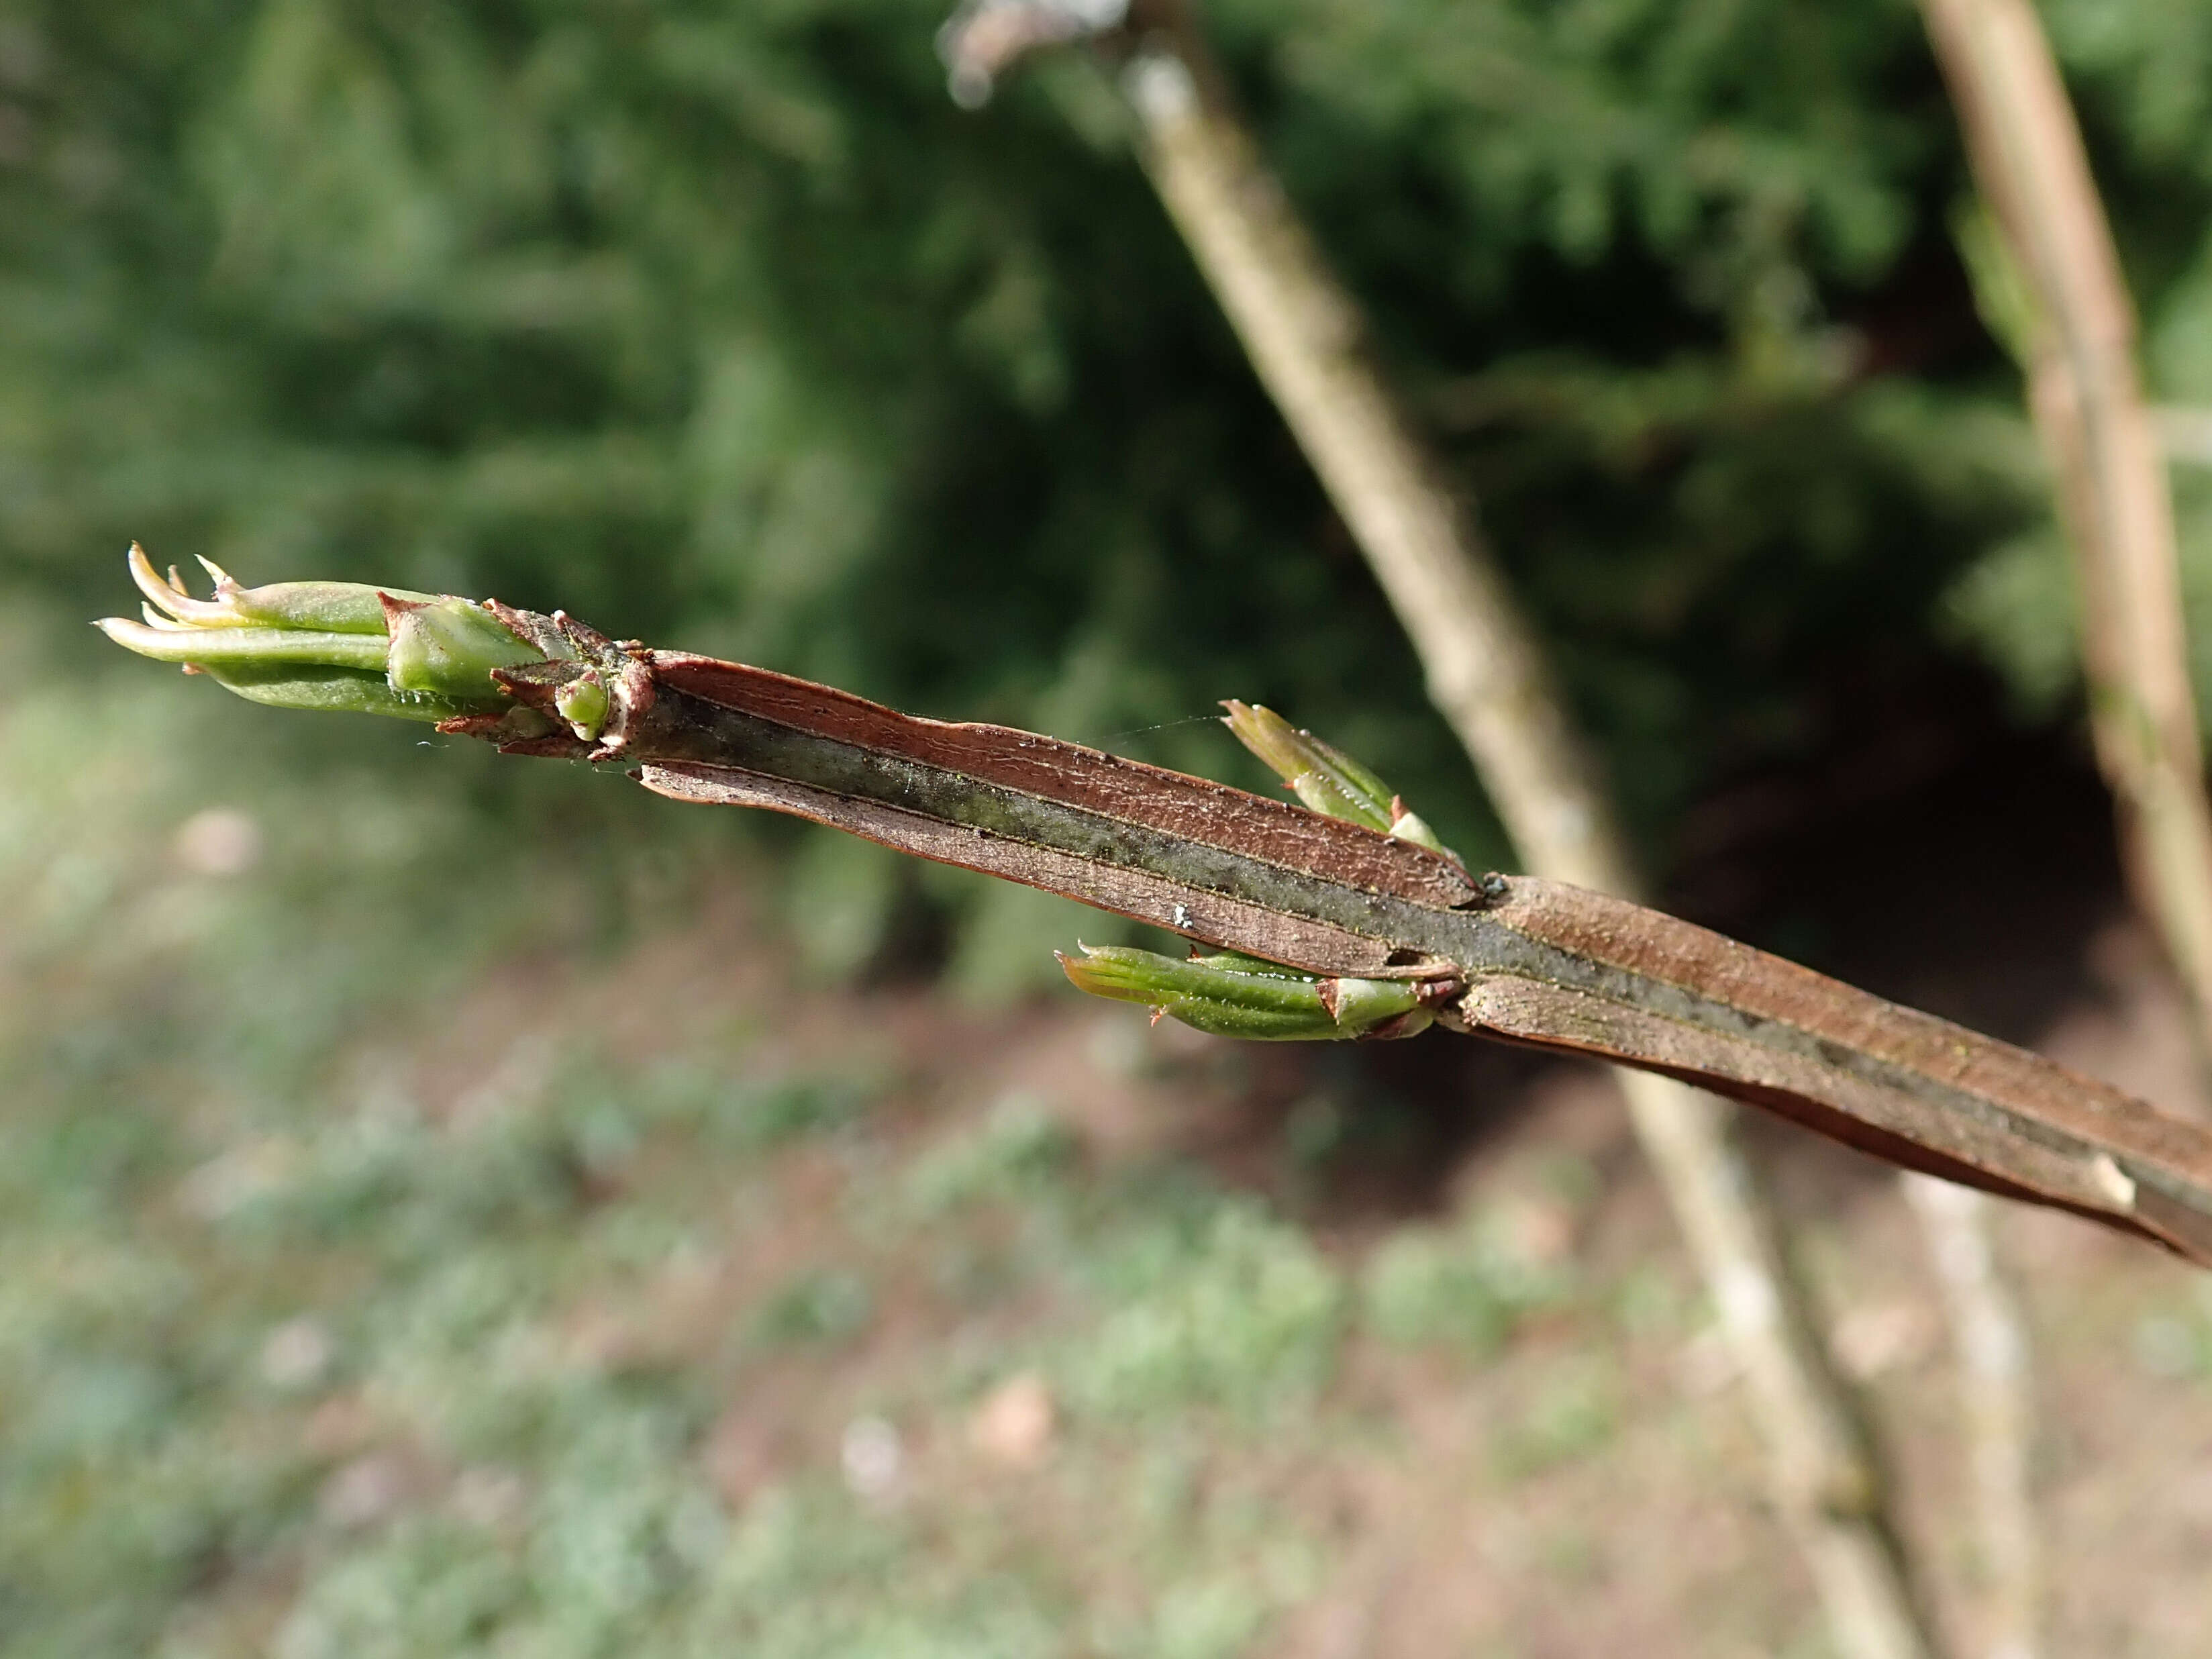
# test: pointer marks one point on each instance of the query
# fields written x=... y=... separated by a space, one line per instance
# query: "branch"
x=1528 y=961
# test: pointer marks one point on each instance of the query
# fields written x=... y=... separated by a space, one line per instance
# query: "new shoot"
x=1239 y=996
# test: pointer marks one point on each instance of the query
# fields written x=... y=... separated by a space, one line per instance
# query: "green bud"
x=1325 y=779
x=1238 y=996
x=226 y=647
x=447 y=648
x=1411 y=826
x=339 y=607
x=583 y=703
x=340 y=645
x=1361 y=1008
x=322 y=607
x=343 y=691
x=1328 y=781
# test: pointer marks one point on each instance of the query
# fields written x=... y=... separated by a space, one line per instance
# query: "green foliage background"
x=718 y=325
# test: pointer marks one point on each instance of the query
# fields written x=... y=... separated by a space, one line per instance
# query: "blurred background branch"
x=2065 y=310
x=1996 y=1395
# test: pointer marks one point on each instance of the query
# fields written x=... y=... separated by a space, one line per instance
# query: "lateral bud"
x=1325 y=779
x=583 y=702
x=1227 y=994
x=450 y=648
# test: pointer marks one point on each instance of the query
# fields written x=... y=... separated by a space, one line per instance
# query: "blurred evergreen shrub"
x=719 y=325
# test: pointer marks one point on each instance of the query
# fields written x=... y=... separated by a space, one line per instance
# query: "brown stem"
x=1533 y=962
x=1523 y=959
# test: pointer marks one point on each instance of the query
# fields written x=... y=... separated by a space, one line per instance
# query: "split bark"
x=1517 y=958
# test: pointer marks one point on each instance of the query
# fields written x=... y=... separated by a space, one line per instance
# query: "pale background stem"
x=2104 y=454
x=1997 y=1396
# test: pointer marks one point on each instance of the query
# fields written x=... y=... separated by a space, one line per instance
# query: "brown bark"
x=1519 y=958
